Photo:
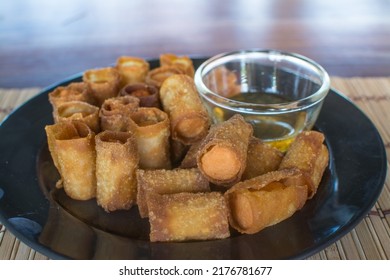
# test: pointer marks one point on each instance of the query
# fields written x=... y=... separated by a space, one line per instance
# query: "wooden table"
x=42 y=42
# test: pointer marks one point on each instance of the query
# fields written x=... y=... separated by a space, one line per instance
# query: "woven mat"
x=369 y=240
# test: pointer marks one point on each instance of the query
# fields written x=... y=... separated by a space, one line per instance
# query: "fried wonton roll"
x=261 y=158
x=116 y=111
x=310 y=155
x=148 y=95
x=188 y=216
x=168 y=182
x=72 y=146
x=157 y=76
x=189 y=119
x=182 y=62
x=222 y=157
x=72 y=92
x=132 y=69
x=152 y=135
x=266 y=200
x=104 y=83
x=116 y=164
x=77 y=110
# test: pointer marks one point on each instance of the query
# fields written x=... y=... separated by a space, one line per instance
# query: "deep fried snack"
x=223 y=81
x=104 y=83
x=188 y=216
x=266 y=200
x=148 y=95
x=152 y=135
x=168 y=182
x=73 y=92
x=116 y=164
x=116 y=111
x=78 y=110
x=262 y=158
x=157 y=76
x=182 y=62
x=222 y=157
x=132 y=69
x=189 y=119
x=310 y=155
x=72 y=147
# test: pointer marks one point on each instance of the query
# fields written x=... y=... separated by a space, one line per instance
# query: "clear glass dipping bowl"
x=279 y=93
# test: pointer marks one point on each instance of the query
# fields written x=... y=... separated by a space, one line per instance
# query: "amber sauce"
x=277 y=130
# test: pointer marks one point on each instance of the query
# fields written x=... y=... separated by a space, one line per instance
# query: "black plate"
x=61 y=228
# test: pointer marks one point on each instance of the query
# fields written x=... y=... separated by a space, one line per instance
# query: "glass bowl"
x=279 y=93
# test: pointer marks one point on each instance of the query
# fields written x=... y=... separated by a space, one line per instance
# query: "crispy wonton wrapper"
x=168 y=182
x=152 y=134
x=132 y=69
x=266 y=200
x=148 y=95
x=310 y=155
x=78 y=110
x=116 y=164
x=188 y=216
x=115 y=113
x=182 y=62
x=261 y=158
x=189 y=119
x=73 y=92
x=157 y=76
x=104 y=83
x=72 y=147
x=222 y=156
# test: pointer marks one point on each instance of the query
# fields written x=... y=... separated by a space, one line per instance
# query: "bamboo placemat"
x=369 y=240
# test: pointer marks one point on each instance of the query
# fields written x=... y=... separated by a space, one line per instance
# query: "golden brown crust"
x=72 y=146
x=188 y=216
x=168 y=182
x=262 y=158
x=228 y=143
x=188 y=116
x=79 y=91
x=309 y=155
x=115 y=113
x=132 y=69
x=152 y=133
x=148 y=95
x=116 y=164
x=157 y=76
x=104 y=83
x=266 y=200
x=78 y=110
x=182 y=62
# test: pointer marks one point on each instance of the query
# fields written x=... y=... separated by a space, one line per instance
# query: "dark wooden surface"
x=43 y=41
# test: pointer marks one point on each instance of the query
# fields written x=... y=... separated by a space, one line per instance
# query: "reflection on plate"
x=54 y=225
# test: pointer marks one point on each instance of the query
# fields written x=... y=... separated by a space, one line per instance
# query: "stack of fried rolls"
x=132 y=136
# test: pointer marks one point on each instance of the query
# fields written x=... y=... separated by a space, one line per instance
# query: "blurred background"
x=43 y=41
